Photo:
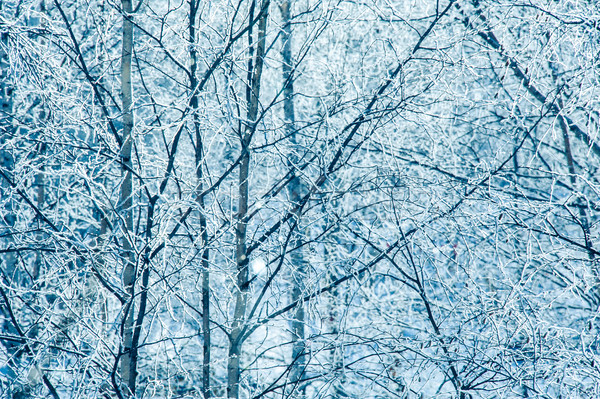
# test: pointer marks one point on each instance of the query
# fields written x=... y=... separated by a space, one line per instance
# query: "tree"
x=309 y=199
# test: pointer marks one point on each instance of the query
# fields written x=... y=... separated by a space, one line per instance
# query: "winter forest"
x=299 y=199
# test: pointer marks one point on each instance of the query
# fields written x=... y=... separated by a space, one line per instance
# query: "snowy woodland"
x=299 y=199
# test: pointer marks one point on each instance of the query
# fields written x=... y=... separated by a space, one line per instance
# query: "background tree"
x=317 y=199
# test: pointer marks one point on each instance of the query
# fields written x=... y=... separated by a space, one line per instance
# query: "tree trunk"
x=294 y=191
x=6 y=131
x=128 y=359
x=7 y=223
x=206 y=334
x=241 y=295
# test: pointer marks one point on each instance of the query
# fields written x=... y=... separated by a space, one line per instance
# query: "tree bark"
x=129 y=358
x=206 y=333
x=7 y=223
x=294 y=191
x=242 y=286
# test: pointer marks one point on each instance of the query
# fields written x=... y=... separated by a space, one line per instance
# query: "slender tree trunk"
x=241 y=301
x=128 y=359
x=40 y=199
x=6 y=131
x=295 y=192
x=94 y=286
x=206 y=334
x=40 y=177
x=7 y=223
x=337 y=350
x=334 y=317
x=583 y=216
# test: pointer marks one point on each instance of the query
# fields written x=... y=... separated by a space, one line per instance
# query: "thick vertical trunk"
x=241 y=295
x=206 y=334
x=128 y=359
x=295 y=188
x=241 y=300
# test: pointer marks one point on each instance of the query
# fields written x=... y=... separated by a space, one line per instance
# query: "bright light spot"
x=258 y=265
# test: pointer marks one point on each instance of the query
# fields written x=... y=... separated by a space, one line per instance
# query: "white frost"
x=258 y=265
